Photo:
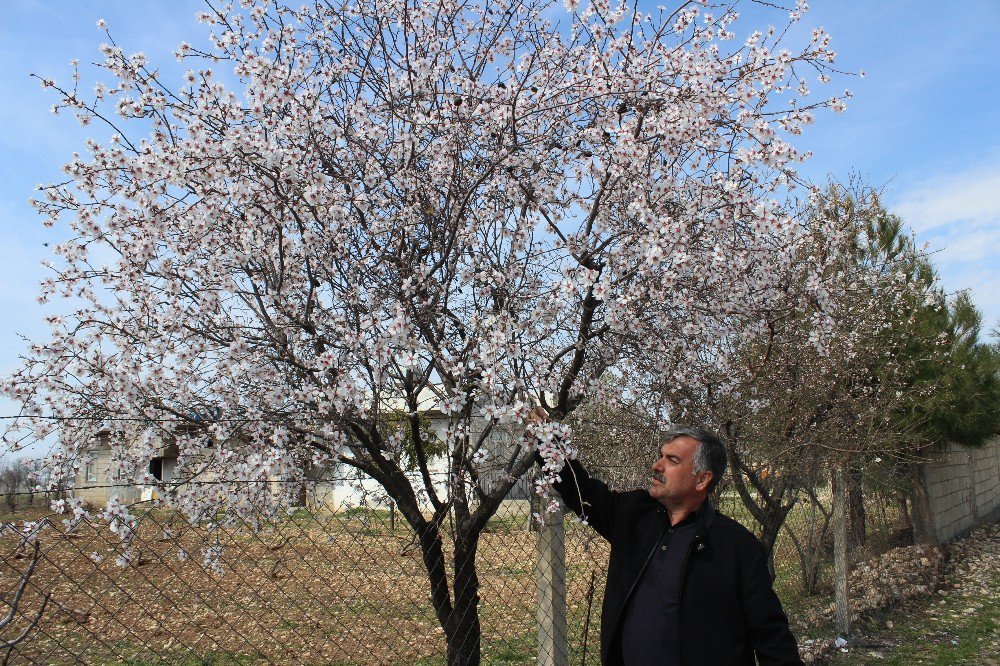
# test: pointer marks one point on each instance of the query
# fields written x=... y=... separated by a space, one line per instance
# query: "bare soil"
x=323 y=589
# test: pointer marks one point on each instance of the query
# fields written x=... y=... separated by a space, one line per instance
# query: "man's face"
x=673 y=480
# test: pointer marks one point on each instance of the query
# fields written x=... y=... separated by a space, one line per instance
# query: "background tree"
x=954 y=392
x=619 y=434
x=963 y=385
x=379 y=199
x=793 y=405
x=947 y=378
x=14 y=480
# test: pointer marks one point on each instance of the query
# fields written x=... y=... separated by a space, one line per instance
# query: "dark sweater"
x=729 y=613
x=651 y=620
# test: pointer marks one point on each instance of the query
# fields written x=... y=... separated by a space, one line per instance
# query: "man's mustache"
x=659 y=477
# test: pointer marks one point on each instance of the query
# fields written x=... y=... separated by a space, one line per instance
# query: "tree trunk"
x=770 y=512
x=462 y=631
x=456 y=606
x=904 y=512
x=856 y=508
x=458 y=614
x=810 y=574
x=807 y=571
x=840 y=566
x=923 y=520
x=774 y=518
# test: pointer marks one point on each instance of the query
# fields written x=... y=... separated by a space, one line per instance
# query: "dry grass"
x=323 y=589
x=326 y=588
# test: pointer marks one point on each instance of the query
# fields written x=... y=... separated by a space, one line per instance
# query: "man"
x=686 y=585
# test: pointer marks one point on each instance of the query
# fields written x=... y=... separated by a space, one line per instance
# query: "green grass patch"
x=516 y=650
x=940 y=630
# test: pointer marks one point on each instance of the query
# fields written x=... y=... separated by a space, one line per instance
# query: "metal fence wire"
x=344 y=586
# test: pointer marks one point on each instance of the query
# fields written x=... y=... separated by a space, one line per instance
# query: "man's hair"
x=710 y=456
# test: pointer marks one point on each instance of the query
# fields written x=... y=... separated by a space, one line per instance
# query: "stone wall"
x=963 y=488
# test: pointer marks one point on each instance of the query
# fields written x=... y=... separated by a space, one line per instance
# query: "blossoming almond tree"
x=349 y=204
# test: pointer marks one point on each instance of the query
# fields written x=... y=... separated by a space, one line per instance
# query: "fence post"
x=970 y=463
x=841 y=589
x=550 y=576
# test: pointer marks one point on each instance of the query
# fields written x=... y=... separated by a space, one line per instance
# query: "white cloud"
x=965 y=243
x=971 y=197
x=958 y=215
x=983 y=284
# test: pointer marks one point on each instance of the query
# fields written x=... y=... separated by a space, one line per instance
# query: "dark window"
x=156 y=468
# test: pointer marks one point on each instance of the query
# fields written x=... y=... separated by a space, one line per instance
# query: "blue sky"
x=923 y=124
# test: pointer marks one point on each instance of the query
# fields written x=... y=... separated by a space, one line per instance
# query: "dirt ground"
x=346 y=588
x=959 y=624
x=326 y=589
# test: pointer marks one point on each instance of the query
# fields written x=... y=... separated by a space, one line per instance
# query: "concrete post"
x=550 y=576
x=974 y=499
x=841 y=591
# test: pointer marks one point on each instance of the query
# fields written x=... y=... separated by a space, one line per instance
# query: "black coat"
x=728 y=609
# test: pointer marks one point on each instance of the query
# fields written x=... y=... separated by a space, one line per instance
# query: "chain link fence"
x=345 y=586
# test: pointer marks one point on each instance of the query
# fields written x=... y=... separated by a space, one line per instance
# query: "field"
x=325 y=588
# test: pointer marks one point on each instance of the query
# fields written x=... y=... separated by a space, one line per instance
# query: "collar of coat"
x=705 y=516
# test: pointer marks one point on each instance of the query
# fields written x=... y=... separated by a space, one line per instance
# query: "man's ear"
x=704 y=480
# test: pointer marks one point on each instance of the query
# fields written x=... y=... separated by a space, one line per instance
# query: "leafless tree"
x=14 y=479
